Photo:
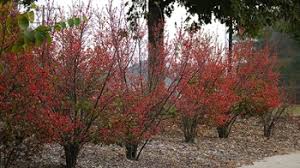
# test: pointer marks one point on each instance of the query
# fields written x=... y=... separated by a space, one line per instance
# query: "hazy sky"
x=216 y=29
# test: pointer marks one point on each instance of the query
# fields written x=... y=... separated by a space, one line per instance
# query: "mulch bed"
x=245 y=145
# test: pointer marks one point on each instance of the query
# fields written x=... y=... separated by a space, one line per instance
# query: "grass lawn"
x=294 y=110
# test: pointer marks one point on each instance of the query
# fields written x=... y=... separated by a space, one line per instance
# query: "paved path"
x=281 y=161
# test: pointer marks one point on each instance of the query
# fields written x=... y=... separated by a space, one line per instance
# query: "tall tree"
x=285 y=33
x=154 y=11
x=156 y=23
x=248 y=16
x=155 y=15
x=138 y=109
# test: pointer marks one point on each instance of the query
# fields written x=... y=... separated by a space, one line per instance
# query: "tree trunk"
x=230 y=44
x=156 y=23
x=189 y=129
x=189 y=137
x=131 y=151
x=223 y=131
x=71 y=154
x=268 y=129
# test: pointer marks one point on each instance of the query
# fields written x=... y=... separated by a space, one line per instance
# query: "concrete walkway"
x=281 y=161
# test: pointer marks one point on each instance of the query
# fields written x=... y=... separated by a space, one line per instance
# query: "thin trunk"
x=230 y=43
x=156 y=22
x=141 y=149
x=71 y=154
x=10 y=156
x=131 y=151
x=268 y=129
x=189 y=130
x=224 y=131
x=189 y=137
x=270 y=118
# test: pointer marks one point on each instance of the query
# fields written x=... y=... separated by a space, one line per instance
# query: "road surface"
x=281 y=161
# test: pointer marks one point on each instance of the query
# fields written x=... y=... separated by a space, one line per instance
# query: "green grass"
x=294 y=110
